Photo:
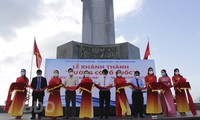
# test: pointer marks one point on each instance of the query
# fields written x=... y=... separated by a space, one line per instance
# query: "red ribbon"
x=20 y=86
x=191 y=103
x=73 y=88
x=153 y=86
x=186 y=85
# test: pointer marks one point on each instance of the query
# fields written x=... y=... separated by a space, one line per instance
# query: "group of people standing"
x=163 y=101
x=159 y=100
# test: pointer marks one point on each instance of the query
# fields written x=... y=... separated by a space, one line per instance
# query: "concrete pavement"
x=5 y=116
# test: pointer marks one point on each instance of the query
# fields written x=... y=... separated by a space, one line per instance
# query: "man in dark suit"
x=38 y=83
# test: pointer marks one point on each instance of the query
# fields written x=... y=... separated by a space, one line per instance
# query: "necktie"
x=104 y=82
x=137 y=83
x=38 y=83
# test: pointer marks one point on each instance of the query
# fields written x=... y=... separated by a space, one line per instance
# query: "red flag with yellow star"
x=147 y=52
x=37 y=54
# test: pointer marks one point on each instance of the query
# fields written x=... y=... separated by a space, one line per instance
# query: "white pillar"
x=98 y=22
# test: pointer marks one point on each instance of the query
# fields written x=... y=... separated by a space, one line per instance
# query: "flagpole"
x=30 y=73
x=149 y=50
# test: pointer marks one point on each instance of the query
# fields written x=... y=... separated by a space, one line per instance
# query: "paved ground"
x=5 y=116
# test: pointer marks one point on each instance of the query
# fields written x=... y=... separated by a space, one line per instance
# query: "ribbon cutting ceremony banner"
x=95 y=67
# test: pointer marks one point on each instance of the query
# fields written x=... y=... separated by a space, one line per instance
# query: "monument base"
x=76 y=50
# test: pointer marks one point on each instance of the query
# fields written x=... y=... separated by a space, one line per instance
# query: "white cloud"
x=120 y=39
x=123 y=8
x=52 y=22
x=17 y=14
x=133 y=41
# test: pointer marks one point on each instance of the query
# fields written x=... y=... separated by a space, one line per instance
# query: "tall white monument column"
x=98 y=22
x=98 y=36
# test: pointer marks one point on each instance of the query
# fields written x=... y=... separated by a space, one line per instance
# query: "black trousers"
x=70 y=96
x=37 y=98
x=104 y=96
x=137 y=102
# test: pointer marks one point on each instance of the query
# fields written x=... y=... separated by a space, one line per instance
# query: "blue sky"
x=174 y=32
x=172 y=27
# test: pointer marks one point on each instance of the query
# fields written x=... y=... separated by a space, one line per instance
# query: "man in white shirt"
x=104 y=94
x=137 y=95
x=70 y=81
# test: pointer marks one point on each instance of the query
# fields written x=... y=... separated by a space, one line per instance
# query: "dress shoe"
x=32 y=118
x=141 y=116
x=182 y=114
x=101 y=117
x=18 y=117
x=106 y=117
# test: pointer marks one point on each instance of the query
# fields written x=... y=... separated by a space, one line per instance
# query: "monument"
x=98 y=36
x=98 y=22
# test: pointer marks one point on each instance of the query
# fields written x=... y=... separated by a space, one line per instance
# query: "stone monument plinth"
x=76 y=50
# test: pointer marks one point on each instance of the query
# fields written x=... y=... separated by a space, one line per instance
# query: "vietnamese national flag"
x=147 y=52
x=37 y=54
